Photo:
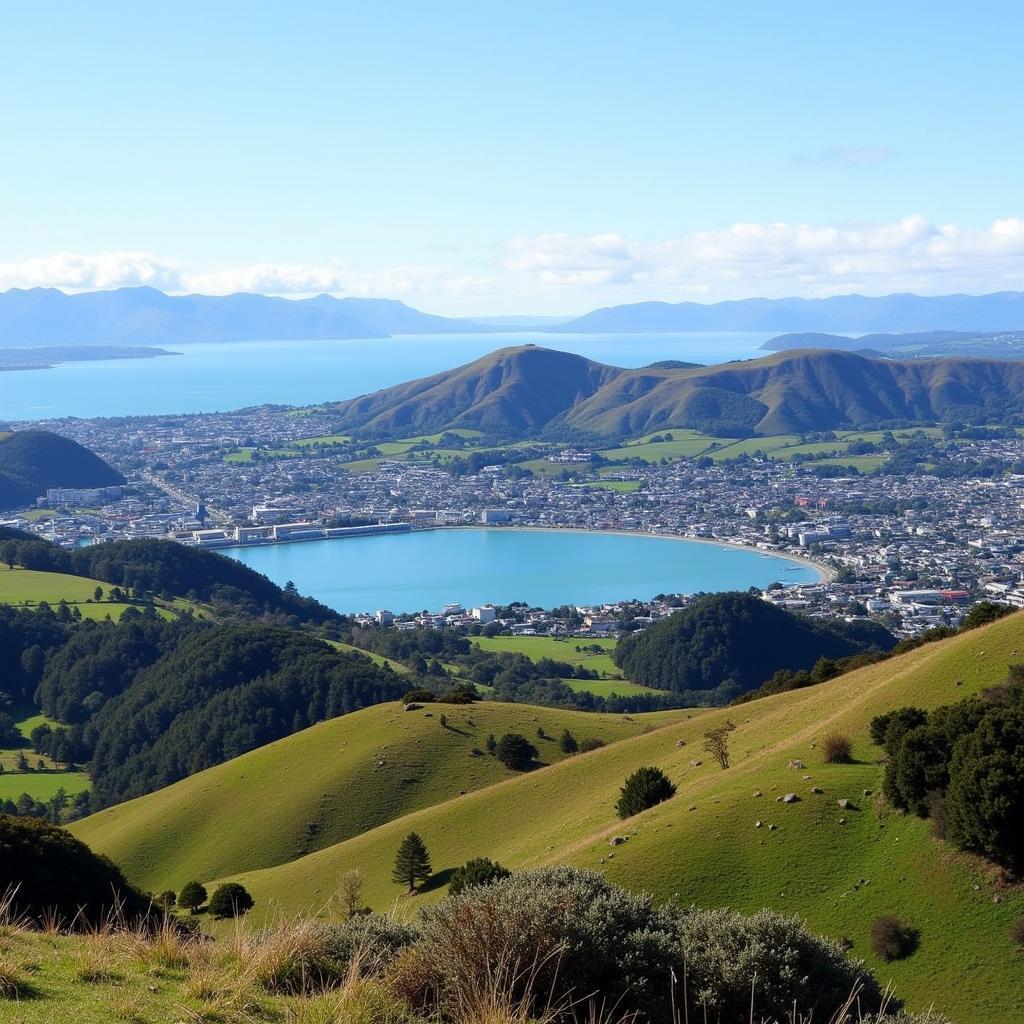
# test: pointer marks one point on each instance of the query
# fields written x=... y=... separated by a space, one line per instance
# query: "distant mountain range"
x=993 y=344
x=46 y=316
x=1001 y=311
x=528 y=390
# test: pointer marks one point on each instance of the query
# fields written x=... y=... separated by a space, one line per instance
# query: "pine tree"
x=412 y=862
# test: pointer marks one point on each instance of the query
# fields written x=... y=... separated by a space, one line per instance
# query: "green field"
x=344 y=777
x=377 y=659
x=39 y=785
x=30 y=586
x=623 y=486
x=27 y=587
x=537 y=647
x=702 y=847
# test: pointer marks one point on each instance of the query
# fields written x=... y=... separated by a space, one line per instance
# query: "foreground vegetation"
x=838 y=867
x=548 y=946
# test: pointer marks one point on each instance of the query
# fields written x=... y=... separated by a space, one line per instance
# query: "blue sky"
x=513 y=157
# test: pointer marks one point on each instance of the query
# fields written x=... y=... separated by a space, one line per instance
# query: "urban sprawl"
x=912 y=550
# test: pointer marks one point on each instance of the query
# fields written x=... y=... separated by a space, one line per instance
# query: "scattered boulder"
x=617 y=840
x=758 y=792
x=845 y=804
x=680 y=743
x=790 y=798
x=758 y=824
x=817 y=790
x=773 y=828
x=696 y=764
x=796 y=764
x=412 y=706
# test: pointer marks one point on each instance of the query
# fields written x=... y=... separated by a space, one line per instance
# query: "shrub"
x=372 y=941
x=837 y=748
x=558 y=935
x=479 y=871
x=644 y=788
x=594 y=743
x=891 y=939
x=459 y=695
x=419 y=697
x=555 y=934
x=192 y=896
x=515 y=751
x=230 y=900
x=1017 y=931
x=567 y=743
x=729 y=956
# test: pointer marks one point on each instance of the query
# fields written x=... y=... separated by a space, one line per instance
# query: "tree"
x=97 y=594
x=412 y=862
x=192 y=896
x=644 y=788
x=230 y=900
x=567 y=743
x=167 y=899
x=515 y=751
x=350 y=890
x=986 y=788
x=492 y=744
x=716 y=743
x=478 y=871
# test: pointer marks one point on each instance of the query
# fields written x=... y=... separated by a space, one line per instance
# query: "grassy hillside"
x=323 y=785
x=703 y=846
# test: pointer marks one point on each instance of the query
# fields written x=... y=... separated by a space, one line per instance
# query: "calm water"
x=225 y=376
x=428 y=569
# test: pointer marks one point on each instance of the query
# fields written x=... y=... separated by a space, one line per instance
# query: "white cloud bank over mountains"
x=744 y=259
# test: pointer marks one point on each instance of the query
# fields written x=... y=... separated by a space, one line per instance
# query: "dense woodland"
x=962 y=766
x=60 y=880
x=32 y=460
x=166 y=569
x=724 y=645
x=146 y=702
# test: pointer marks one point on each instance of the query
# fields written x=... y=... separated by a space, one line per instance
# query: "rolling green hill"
x=325 y=784
x=528 y=390
x=840 y=869
x=32 y=460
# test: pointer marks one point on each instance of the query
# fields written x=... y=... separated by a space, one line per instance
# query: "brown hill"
x=528 y=390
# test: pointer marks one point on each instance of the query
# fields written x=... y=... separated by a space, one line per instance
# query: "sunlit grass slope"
x=703 y=846
x=323 y=785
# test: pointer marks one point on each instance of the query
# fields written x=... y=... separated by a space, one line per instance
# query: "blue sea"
x=426 y=570
x=233 y=375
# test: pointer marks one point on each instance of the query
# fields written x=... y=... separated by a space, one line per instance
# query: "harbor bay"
x=429 y=569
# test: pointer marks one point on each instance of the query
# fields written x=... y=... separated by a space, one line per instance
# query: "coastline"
x=828 y=574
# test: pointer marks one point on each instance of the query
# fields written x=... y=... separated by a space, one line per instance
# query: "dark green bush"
x=515 y=751
x=644 y=788
x=230 y=900
x=478 y=871
x=891 y=939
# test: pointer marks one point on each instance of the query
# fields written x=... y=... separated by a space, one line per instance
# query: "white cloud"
x=781 y=258
x=549 y=271
x=75 y=271
x=80 y=272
